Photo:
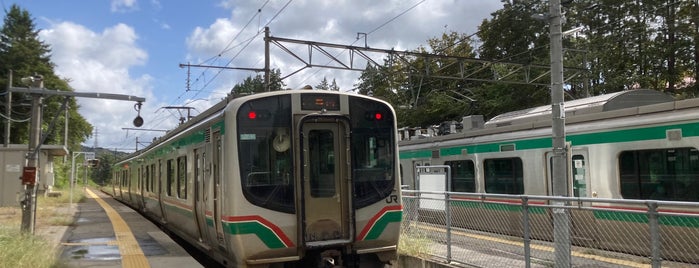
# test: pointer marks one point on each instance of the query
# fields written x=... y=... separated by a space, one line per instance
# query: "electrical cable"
x=367 y=34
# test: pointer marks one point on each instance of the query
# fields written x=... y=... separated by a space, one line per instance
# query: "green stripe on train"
x=640 y=217
x=497 y=207
x=380 y=225
x=188 y=140
x=637 y=217
x=182 y=211
x=269 y=238
x=626 y=135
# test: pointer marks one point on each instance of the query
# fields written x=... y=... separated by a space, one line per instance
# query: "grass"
x=414 y=244
x=25 y=250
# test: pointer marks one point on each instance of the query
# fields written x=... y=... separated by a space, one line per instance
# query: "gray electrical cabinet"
x=13 y=158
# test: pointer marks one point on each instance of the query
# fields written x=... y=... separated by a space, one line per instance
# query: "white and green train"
x=294 y=178
x=637 y=144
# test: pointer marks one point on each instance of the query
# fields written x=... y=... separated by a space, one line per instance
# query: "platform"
x=107 y=233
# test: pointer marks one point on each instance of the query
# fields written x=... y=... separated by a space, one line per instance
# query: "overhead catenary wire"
x=367 y=34
x=259 y=32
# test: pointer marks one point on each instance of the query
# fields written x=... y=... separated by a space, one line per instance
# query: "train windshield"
x=264 y=152
x=373 y=150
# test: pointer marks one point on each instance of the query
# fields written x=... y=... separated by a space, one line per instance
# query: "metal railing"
x=494 y=230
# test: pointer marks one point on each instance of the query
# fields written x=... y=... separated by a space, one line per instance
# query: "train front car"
x=315 y=180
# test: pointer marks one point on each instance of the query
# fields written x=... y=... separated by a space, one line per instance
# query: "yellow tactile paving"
x=131 y=254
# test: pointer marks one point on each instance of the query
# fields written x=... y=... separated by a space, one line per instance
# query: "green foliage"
x=632 y=44
x=422 y=99
x=324 y=85
x=15 y=248
x=22 y=52
x=256 y=84
x=101 y=174
x=640 y=44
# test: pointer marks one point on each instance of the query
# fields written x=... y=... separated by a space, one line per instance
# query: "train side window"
x=170 y=177
x=182 y=177
x=660 y=174
x=146 y=179
x=579 y=182
x=152 y=178
x=463 y=178
x=504 y=176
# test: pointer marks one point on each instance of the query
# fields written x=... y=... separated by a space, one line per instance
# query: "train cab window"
x=463 y=178
x=265 y=153
x=373 y=151
x=660 y=174
x=182 y=177
x=504 y=176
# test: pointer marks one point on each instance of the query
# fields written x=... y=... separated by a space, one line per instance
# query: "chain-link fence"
x=491 y=230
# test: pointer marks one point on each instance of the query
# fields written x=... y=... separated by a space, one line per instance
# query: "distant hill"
x=99 y=152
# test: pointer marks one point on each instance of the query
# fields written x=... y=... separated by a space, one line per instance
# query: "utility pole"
x=87 y=156
x=267 y=71
x=561 y=219
x=30 y=171
x=65 y=131
x=8 y=111
x=29 y=175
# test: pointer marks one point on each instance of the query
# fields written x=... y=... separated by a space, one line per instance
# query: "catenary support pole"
x=561 y=220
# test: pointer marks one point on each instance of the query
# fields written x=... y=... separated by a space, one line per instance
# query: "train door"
x=578 y=179
x=580 y=176
x=130 y=186
x=163 y=217
x=143 y=189
x=216 y=168
x=199 y=194
x=326 y=212
x=577 y=186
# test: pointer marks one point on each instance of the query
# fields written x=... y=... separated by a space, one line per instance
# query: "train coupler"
x=330 y=258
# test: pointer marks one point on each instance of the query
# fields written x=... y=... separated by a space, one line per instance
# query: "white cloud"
x=390 y=24
x=124 y=5
x=104 y=60
x=100 y=62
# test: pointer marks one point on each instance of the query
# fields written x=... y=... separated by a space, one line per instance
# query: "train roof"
x=601 y=103
x=623 y=103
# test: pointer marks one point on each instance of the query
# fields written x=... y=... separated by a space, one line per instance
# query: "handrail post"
x=654 y=228
x=526 y=232
x=447 y=207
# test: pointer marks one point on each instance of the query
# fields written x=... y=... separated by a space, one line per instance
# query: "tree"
x=513 y=35
x=623 y=45
x=256 y=84
x=22 y=52
x=334 y=86
x=413 y=86
x=323 y=84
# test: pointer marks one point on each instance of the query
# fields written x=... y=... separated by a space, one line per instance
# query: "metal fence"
x=492 y=230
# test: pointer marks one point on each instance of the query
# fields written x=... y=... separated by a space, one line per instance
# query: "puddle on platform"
x=106 y=248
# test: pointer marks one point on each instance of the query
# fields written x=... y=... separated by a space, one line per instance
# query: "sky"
x=135 y=47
